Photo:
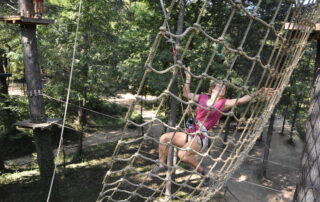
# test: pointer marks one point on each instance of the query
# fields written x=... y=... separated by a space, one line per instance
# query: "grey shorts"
x=202 y=142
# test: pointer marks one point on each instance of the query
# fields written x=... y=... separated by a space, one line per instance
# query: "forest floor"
x=245 y=185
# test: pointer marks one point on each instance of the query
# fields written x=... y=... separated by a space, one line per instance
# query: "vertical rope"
x=67 y=100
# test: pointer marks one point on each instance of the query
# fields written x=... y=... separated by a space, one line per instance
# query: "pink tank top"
x=213 y=115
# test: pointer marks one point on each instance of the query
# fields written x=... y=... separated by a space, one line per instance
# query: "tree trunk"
x=284 y=119
x=36 y=103
x=174 y=103
x=268 y=143
x=44 y=158
x=308 y=188
x=3 y=90
x=2 y=167
x=26 y=8
x=3 y=79
x=32 y=73
x=227 y=130
x=82 y=120
x=294 y=118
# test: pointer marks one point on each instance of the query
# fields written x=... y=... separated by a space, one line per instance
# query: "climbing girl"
x=197 y=137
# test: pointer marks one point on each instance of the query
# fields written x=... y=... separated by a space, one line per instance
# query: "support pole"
x=174 y=105
x=36 y=102
x=32 y=73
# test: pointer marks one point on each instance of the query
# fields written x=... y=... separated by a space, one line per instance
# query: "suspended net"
x=277 y=49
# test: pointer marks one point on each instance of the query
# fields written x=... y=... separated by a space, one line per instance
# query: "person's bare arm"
x=186 y=89
x=265 y=92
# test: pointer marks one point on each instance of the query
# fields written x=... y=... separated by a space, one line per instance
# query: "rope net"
x=279 y=49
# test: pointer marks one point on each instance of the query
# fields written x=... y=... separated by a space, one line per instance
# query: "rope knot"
x=272 y=71
x=148 y=66
x=240 y=50
x=257 y=58
x=254 y=15
x=197 y=26
x=179 y=62
x=166 y=92
x=238 y=3
x=245 y=88
x=163 y=29
x=204 y=75
x=221 y=39
x=268 y=66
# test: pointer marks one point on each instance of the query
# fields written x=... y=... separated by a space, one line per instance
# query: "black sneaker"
x=206 y=181
x=159 y=169
x=205 y=177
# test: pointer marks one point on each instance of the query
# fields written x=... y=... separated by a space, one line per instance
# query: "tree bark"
x=26 y=8
x=284 y=119
x=294 y=118
x=3 y=90
x=308 y=188
x=3 y=80
x=44 y=158
x=32 y=73
x=227 y=131
x=82 y=120
x=36 y=103
x=267 y=145
x=174 y=102
x=2 y=167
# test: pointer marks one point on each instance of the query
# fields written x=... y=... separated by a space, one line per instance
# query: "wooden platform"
x=28 y=124
x=24 y=20
x=300 y=27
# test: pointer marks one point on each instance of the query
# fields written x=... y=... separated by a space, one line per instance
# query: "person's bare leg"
x=35 y=5
x=189 y=156
x=178 y=139
x=40 y=8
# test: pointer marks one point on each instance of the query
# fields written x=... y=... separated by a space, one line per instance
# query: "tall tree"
x=308 y=188
x=268 y=143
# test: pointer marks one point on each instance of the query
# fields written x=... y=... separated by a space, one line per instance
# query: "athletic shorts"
x=202 y=138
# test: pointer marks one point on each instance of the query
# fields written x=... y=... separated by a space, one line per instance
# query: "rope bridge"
x=129 y=177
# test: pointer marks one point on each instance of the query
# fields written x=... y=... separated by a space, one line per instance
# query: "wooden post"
x=36 y=103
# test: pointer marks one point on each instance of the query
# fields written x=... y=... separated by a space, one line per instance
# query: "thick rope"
x=275 y=73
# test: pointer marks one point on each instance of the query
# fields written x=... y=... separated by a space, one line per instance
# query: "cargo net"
x=279 y=41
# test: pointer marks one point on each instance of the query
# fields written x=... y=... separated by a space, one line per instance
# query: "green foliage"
x=297 y=96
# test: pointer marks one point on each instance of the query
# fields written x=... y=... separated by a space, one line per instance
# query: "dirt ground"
x=245 y=184
x=282 y=172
